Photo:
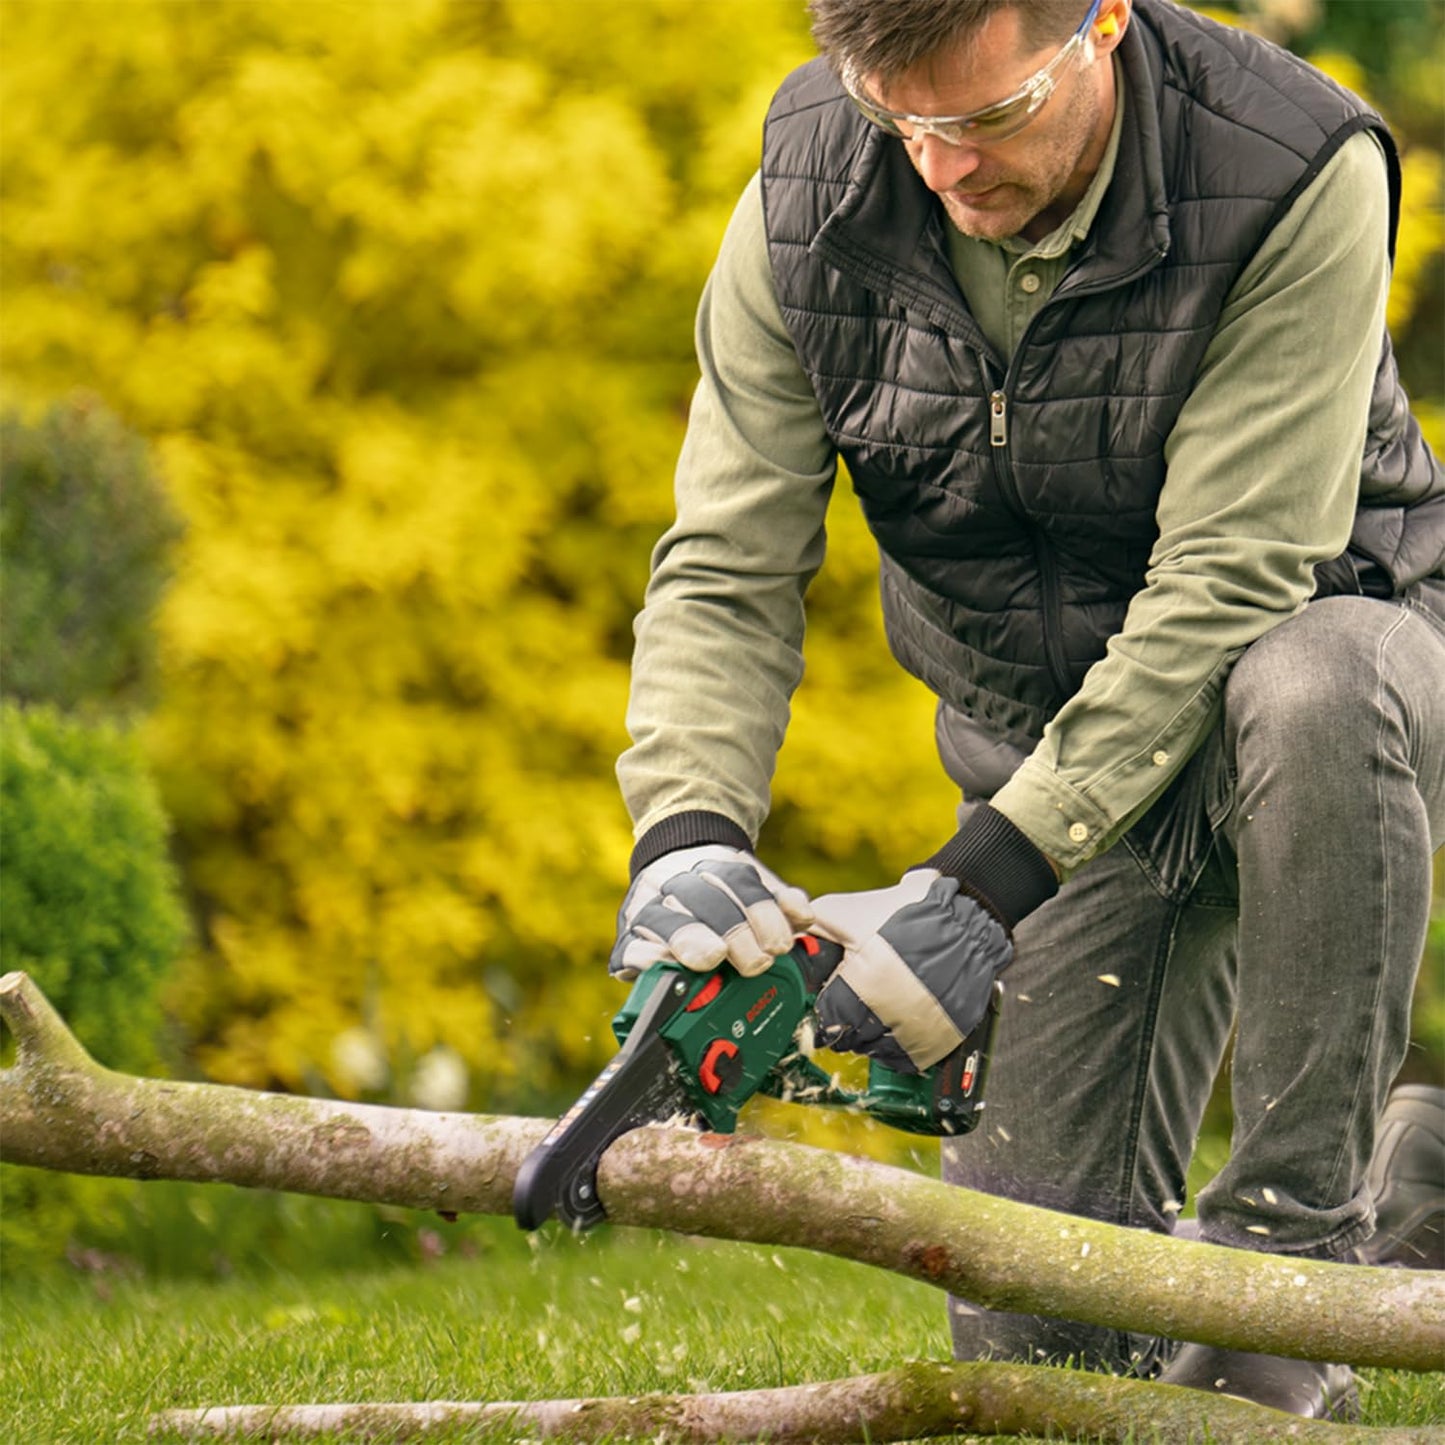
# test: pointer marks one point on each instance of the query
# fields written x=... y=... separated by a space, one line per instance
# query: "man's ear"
x=1110 y=24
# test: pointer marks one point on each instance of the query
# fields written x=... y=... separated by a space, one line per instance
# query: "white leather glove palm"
x=919 y=961
x=700 y=905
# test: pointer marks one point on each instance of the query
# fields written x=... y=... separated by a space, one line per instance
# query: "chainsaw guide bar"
x=640 y=1086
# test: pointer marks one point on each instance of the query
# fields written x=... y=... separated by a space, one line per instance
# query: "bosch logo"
x=762 y=1003
x=739 y=1028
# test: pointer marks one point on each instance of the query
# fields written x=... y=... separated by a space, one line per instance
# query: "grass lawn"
x=495 y=1315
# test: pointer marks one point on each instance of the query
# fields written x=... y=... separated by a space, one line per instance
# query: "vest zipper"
x=997 y=419
x=1059 y=670
x=1058 y=665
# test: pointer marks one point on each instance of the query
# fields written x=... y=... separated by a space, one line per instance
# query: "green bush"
x=85 y=529
x=89 y=901
x=91 y=909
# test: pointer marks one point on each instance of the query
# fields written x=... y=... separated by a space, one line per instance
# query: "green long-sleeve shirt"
x=1262 y=474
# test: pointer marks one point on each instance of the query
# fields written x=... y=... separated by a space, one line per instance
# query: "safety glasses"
x=994 y=122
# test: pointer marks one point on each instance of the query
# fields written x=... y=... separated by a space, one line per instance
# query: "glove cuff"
x=993 y=859
x=686 y=830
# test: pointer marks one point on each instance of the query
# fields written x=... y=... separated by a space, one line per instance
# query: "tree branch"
x=1009 y=1256
x=913 y=1402
x=61 y=1110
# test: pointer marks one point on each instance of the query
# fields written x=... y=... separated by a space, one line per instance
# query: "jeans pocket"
x=1426 y=599
x=1173 y=841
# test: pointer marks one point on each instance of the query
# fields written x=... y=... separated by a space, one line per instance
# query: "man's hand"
x=701 y=905
x=919 y=961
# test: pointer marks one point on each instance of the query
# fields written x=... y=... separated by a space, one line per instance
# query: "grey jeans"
x=1280 y=888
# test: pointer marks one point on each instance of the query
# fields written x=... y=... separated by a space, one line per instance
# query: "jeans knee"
x=1310 y=687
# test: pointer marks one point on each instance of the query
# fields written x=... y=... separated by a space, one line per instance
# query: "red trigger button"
x=705 y=994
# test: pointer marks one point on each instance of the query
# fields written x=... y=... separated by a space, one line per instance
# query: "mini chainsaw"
x=697 y=1046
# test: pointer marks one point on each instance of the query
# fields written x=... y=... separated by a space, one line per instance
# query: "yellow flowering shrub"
x=401 y=295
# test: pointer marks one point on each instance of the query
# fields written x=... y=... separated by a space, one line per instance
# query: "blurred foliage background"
x=391 y=301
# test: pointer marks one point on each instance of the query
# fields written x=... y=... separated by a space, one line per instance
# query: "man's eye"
x=994 y=120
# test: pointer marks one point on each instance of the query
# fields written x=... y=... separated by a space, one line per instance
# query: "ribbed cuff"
x=992 y=858
x=686 y=830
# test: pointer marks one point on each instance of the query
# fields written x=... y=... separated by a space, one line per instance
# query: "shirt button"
x=1030 y=282
x=1160 y=758
x=1078 y=833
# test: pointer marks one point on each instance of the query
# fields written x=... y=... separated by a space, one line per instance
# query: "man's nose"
x=942 y=165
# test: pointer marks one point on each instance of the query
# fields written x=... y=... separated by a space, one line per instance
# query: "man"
x=1090 y=299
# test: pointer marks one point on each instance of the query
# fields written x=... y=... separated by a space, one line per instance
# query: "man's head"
x=1004 y=108
x=887 y=37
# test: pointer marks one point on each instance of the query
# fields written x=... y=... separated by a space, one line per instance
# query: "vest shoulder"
x=812 y=129
x=808 y=87
x=1244 y=79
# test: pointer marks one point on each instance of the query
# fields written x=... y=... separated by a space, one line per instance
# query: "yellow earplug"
x=1108 y=26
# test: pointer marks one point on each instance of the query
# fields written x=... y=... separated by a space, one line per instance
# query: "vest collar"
x=887 y=231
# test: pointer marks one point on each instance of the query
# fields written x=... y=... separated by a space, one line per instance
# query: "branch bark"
x=913 y=1402
x=59 y=1109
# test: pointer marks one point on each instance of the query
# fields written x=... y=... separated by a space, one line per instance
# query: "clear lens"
x=1000 y=121
x=997 y=123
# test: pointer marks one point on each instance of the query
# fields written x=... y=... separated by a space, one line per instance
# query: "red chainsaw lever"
x=716 y=1054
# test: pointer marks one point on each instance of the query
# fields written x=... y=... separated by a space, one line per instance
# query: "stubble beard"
x=1030 y=191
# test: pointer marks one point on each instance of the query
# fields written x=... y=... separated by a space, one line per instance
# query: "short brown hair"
x=886 y=37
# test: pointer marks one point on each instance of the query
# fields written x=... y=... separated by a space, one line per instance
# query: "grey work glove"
x=700 y=905
x=919 y=961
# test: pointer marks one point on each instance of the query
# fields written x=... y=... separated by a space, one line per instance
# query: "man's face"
x=1025 y=185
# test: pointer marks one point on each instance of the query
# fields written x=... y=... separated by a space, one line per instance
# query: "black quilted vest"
x=1014 y=506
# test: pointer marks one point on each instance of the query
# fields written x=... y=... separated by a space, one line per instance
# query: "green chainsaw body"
x=736 y=1037
x=695 y=1047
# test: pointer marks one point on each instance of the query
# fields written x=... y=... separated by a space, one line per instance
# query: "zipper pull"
x=997 y=419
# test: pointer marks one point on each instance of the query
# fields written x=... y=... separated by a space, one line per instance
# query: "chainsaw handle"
x=817 y=958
